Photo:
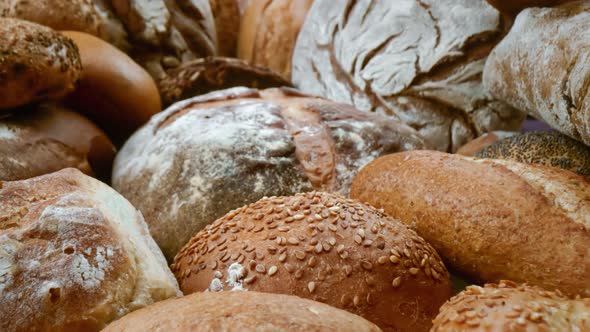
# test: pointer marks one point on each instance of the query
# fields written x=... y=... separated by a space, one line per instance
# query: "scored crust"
x=36 y=63
x=322 y=247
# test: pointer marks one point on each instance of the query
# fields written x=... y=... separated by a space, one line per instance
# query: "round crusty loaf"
x=209 y=74
x=114 y=91
x=483 y=141
x=511 y=307
x=545 y=148
x=207 y=155
x=46 y=138
x=322 y=247
x=542 y=67
x=74 y=255
x=269 y=30
x=241 y=311
x=417 y=61
x=489 y=219
x=35 y=63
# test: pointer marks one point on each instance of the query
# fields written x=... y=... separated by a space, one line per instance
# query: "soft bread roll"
x=114 y=91
x=74 y=255
x=322 y=247
x=483 y=141
x=511 y=307
x=207 y=155
x=240 y=311
x=36 y=63
x=268 y=32
x=489 y=219
x=545 y=148
x=48 y=137
x=215 y=73
x=542 y=67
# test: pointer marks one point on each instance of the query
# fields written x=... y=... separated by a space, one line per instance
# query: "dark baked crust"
x=489 y=219
x=227 y=24
x=241 y=311
x=209 y=74
x=206 y=155
x=322 y=247
x=412 y=59
x=544 y=148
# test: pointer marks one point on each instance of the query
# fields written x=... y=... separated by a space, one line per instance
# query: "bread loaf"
x=511 y=307
x=489 y=219
x=113 y=91
x=268 y=32
x=209 y=74
x=240 y=311
x=36 y=63
x=545 y=148
x=74 y=255
x=541 y=67
x=417 y=61
x=207 y=155
x=43 y=139
x=322 y=247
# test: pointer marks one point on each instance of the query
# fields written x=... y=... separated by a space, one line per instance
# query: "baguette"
x=489 y=219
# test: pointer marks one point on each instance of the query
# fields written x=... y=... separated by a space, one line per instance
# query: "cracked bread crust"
x=36 y=63
x=206 y=155
x=542 y=67
x=419 y=61
x=489 y=219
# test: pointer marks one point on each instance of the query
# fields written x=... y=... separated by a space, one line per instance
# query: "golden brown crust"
x=227 y=24
x=325 y=248
x=268 y=32
x=209 y=74
x=510 y=307
x=48 y=137
x=36 y=63
x=114 y=91
x=490 y=219
x=74 y=255
x=240 y=311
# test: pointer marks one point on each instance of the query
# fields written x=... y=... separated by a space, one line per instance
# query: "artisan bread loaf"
x=417 y=61
x=512 y=307
x=545 y=148
x=268 y=32
x=74 y=255
x=36 y=63
x=241 y=311
x=322 y=247
x=489 y=219
x=209 y=74
x=542 y=67
x=207 y=155
x=43 y=139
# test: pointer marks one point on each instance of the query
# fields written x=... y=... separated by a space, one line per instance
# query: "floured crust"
x=419 y=61
x=542 y=67
x=325 y=248
x=490 y=219
x=510 y=307
x=209 y=154
x=74 y=255
x=36 y=63
x=238 y=311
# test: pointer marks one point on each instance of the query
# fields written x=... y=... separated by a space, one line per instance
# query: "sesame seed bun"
x=322 y=247
x=240 y=311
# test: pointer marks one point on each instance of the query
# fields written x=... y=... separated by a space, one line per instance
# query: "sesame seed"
x=298 y=274
x=357 y=239
x=311 y=286
x=340 y=248
x=282 y=257
x=381 y=260
x=289 y=268
x=394 y=259
x=272 y=270
x=300 y=255
x=347 y=270
x=396 y=282
x=366 y=265
x=250 y=279
x=332 y=241
x=312 y=261
x=356 y=301
x=260 y=268
x=298 y=216
x=318 y=248
x=414 y=271
x=367 y=243
x=293 y=241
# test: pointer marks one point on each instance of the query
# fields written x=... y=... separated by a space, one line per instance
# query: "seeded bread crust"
x=325 y=248
x=489 y=219
x=240 y=311
x=510 y=307
x=36 y=63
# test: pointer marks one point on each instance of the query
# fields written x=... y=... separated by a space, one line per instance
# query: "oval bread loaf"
x=489 y=219
x=325 y=248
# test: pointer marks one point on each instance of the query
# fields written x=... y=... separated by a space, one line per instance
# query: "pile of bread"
x=294 y=165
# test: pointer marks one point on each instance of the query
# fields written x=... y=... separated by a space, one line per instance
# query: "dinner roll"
x=74 y=255
x=322 y=247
